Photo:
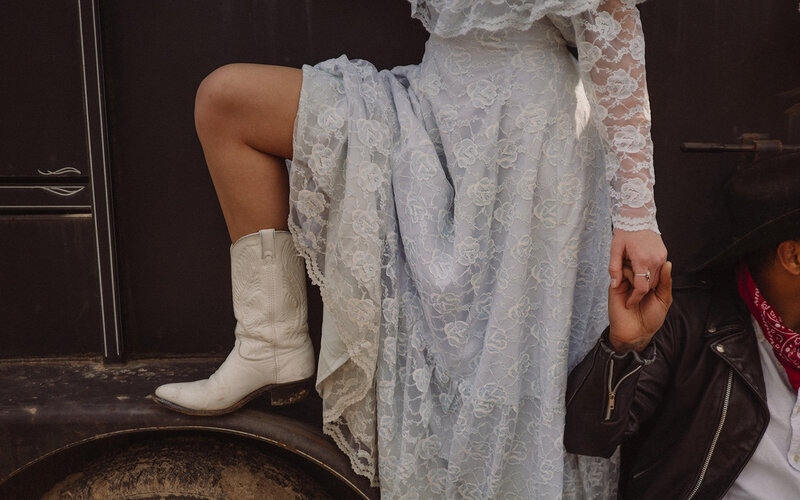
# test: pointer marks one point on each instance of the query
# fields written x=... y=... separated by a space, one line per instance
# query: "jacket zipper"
x=612 y=390
x=725 y=403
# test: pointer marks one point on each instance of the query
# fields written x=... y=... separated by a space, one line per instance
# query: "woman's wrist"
x=627 y=345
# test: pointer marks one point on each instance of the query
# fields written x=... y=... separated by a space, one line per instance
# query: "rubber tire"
x=189 y=468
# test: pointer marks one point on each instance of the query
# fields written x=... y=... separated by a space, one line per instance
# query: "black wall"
x=715 y=70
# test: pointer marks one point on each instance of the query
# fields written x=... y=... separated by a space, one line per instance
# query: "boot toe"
x=188 y=395
x=169 y=392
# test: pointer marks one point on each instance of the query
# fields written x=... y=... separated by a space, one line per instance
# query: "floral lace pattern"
x=611 y=48
x=611 y=53
x=456 y=217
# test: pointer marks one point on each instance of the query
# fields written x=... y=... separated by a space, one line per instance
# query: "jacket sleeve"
x=610 y=395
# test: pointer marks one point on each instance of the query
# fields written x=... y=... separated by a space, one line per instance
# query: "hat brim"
x=749 y=242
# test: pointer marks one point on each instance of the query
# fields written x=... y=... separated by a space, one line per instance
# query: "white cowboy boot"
x=272 y=353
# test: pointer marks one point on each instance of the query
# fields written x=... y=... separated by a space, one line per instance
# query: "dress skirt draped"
x=455 y=215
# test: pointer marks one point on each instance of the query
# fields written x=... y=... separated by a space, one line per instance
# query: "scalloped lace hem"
x=521 y=18
x=333 y=415
x=645 y=224
x=368 y=470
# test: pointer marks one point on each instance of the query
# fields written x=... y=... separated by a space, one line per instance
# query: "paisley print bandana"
x=785 y=342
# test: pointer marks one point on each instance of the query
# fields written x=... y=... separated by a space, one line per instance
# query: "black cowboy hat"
x=764 y=206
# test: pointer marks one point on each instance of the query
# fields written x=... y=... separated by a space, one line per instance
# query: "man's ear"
x=789 y=256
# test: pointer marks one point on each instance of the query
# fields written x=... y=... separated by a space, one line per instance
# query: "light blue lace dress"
x=457 y=215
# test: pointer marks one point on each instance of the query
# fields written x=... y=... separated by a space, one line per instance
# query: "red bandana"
x=785 y=342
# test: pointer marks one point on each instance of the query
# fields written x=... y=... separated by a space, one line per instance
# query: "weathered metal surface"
x=190 y=468
x=48 y=406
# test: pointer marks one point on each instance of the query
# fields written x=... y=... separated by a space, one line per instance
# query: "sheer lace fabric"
x=610 y=43
x=611 y=53
x=448 y=18
x=456 y=217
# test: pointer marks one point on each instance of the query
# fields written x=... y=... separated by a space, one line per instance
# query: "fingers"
x=627 y=274
x=635 y=273
x=644 y=265
x=654 y=308
x=645 y=254
x=664 y=289
x=618 y=297
x=615 y=262
x=657 y=265
x=655 y=274
x=657 y=260
x=652 y=266
x=624 y=286
x=640 y=289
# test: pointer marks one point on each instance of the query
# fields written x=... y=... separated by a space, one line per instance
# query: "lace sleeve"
x=611 y=51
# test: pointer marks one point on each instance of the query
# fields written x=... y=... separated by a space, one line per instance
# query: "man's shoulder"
x=703 y=298
x=692 y=298
x=694 y=281
x=696 y=289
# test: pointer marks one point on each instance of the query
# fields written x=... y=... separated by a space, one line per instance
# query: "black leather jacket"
x=688 y=411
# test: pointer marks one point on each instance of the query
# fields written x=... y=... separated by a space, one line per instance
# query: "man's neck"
x=782 y=295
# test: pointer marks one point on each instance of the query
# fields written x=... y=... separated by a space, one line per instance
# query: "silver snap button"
x=720 y=348
x=712 y=329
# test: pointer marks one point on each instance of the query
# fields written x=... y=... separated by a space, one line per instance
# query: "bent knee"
x=253 y=104
x=218 y=97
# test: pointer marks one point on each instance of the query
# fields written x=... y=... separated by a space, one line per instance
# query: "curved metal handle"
x=61 y=171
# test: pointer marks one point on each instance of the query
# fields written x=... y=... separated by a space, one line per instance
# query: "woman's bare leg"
x=244 y=115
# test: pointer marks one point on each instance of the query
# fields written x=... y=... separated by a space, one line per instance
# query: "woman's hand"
x=643 y=252
x=632 y=327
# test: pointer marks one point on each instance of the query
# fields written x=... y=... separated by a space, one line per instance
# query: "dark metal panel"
x=173 y=265
x=48 y=294
x=41 y=123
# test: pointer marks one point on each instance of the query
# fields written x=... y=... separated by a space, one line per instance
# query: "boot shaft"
x=269 y=289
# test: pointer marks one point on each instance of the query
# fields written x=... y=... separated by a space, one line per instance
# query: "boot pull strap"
x=267 y=243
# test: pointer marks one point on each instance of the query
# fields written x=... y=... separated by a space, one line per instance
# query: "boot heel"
x=287 y=394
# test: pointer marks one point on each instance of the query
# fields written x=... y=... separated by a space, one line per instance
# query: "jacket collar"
x=729 y=334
